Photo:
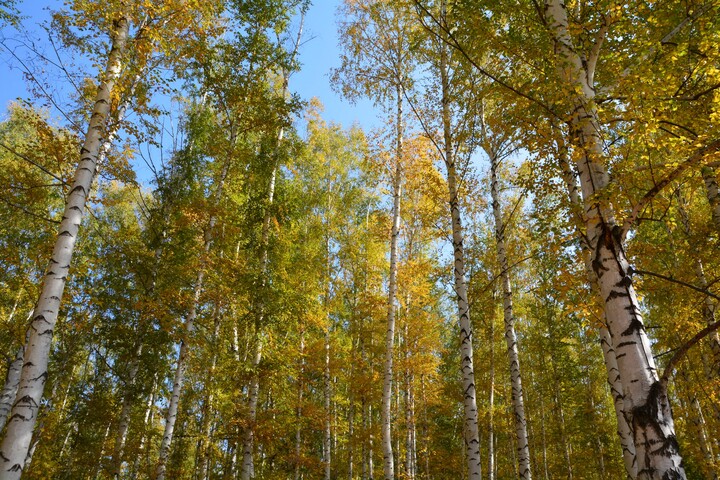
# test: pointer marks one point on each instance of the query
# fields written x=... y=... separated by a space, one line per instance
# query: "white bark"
x=17 y=439
x=613 y=374
x=12 y=381
x=385 y=413
x=712 y=193
x=247 y=471
x=207 y=412
x=616 y=390
x=327 y=391
x=188 y=328
x=467 y=368
x=523 y=448
x=491 y=400
x=299 y=408
x=124 y=422
x=647 y=407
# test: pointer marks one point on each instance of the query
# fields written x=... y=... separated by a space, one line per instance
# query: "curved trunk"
x=523 y=448
x=16 y=443
x=647 y=407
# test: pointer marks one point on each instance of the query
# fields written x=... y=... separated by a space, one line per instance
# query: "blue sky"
x=318 y=55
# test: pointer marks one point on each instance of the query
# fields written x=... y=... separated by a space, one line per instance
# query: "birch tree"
x=34 y=374
x=376 y=65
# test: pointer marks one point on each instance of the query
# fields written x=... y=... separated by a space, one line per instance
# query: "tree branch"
x=453 y=42
x=704 y=291
x=650 y=195
x=683 y=349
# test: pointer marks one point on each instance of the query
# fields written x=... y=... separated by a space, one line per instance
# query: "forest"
x=514 y=275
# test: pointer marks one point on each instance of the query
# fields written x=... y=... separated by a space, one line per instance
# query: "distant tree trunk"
x=18 y=436
x=425 y=433
x=204 y=450
x=143 y=437
x=12 y=380
x=351 y=414
x=543 y=433
x=410 y=455
x=127 y=404
x=327 y=396
x=467 y=368
x=695 y=414
x=247 y=470
x=386 y=414
x=491 y=400
x=709 y=305
x=510 y=336
x=561 y=414
x=299 y=408
x=712 y=193
x=189 y=326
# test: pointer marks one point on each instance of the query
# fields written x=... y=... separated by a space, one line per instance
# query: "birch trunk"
x=189 y=327
x=386 y=415
x=712 y=193
x=12 y=381
x=147 y=419
x=616 y=390
x=467 y=368
x=647 y=406
x=299 y=410
x=207 y=412
x=613 y=374
x=409 y=412
x=124 y=423
x=327 y=395
x=518 y=402
x=24 y=413
x=491 y=400
x=695 y=414
x=247 y=470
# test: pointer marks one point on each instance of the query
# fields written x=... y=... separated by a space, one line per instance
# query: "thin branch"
x=650 y=195
x=28 y=212
x=453 y=42
x=32 y=162
x=683 y=349
x=704 y=291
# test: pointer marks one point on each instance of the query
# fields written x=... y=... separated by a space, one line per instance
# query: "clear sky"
x=319 y=53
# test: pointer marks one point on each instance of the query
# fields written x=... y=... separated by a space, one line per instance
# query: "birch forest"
x=513 y=274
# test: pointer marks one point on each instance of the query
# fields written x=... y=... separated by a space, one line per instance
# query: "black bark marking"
x=616 y=294
x=636 y=326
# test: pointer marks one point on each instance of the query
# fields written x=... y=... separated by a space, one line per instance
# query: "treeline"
x=515 y=277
